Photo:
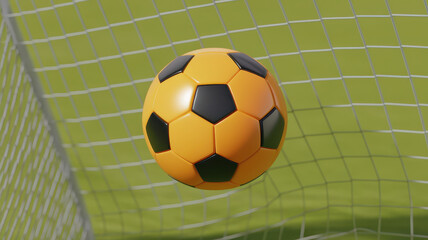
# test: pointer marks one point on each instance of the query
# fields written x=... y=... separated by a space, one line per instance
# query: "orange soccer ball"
x=214 y=119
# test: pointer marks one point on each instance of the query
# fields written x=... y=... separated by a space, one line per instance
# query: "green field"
x=356 y=154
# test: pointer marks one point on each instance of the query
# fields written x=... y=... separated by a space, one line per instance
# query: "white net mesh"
x=38 y=198
x=354 y=76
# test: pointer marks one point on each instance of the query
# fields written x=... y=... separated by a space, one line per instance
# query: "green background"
x=354 y=76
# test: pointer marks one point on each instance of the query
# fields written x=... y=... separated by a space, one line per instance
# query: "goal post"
x=73 y=158
x=39 y=196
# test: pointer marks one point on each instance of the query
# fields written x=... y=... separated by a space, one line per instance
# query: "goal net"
x=73 y=159
x=39 y=198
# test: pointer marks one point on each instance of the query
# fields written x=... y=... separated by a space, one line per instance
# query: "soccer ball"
x=214 y=119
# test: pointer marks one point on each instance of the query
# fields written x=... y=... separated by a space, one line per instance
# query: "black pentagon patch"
x=216 y=168
x=157 y=132
x=248 y=63
x=213 y=102
x=175 y=67
x=272 y=127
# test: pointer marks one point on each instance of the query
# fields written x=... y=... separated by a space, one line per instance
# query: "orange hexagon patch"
x=252 y=94
x=174 y=97
x=237 y=137
x=211 y=68
x=254 y=166
x=192 y=137
x=178 y=168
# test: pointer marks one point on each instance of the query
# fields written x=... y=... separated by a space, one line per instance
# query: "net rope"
x=37 y=198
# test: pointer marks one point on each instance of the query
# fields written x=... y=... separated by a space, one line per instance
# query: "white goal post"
x=73 y=159
x=39 y=196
